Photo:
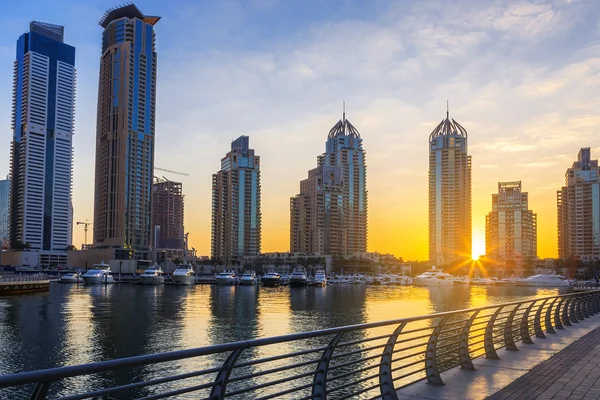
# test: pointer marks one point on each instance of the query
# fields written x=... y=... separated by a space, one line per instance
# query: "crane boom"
x=172 y=172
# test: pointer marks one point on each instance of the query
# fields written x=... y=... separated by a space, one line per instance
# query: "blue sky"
x=522 y=77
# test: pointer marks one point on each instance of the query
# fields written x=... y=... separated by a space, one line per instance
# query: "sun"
x=478 y=248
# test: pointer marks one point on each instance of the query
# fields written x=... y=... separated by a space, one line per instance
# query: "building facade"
x=4 y=212
x=125 y=133
x=449 y=194
x=578 y=206
x=167 y=215
x=42 y=147
x=236 y=212
x=329 y=215
x=511 y=227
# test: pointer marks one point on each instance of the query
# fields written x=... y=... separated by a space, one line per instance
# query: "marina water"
x=74 y=324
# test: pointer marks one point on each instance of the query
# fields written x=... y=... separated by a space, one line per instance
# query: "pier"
x=17 y=283
x=466 y=354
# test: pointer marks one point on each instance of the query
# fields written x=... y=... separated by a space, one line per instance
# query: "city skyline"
x=525 y=120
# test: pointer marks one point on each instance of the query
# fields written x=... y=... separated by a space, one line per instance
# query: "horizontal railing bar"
x=408 y=365
x=54 y=374
x=271 y=383
x=477 y=342
x=412 y=339
x=288 y=391
x=349 y=353
x=130 y=386
x=403 y=333
x=337 y=366
x=410 y=347
x=408 y=356
x=458 y=328
x=273 y=370
x=477 y=349
x=455 y=350
x=355 y=371
x=175 y=392
x=407 y=375
x=461 y=321
x=363 y=340
x=280 y=357
x=361 y=391
x=344 y=386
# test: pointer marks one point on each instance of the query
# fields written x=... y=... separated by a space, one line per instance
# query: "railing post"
x=220 y=385
x=572 y=312
x=585 y=310
x=579 y=307
x=548 y=321
x=463 y=348
x=488 y=339
x=431 y=367
x=319 y=390
x=40 y=391
x=537 y=322
x=386 y=383
x=525 y=337
x=565 y=312
x=509 y=339
x=557 y=322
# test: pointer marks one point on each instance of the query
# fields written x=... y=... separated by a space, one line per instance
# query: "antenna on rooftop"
x=447 y=109
x=344 y=111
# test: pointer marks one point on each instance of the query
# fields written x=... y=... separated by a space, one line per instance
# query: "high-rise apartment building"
x=4 y=211
x=578 y=204
x=511 y=227
x=449 y=194
x=41 y=153
x=167 y=214
x=125 y=133
x=236 y=214
x=329 y=215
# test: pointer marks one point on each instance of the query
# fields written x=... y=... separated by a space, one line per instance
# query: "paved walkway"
x=573 y=373
x=566 y=365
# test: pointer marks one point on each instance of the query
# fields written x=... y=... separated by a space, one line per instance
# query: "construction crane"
x=172 y=172
x=85 y=228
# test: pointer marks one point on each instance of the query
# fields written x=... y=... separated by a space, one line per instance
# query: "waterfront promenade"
x=565 y=365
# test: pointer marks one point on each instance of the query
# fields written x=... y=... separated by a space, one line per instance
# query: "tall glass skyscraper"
x=4 y=210
x=125 y=133
x=449 y=194
x=329 y=216
x=511 y=227
x=578 y=205
x=236 y=214
x=41 y=153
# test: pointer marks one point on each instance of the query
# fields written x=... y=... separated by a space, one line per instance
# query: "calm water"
x=78 y=324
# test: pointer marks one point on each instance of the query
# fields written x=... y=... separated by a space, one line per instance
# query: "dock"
x=14 y=284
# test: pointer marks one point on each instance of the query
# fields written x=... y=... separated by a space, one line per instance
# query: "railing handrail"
x=54 y=374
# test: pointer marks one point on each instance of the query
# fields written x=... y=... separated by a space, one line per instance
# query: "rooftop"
x=448 y=126
x=128 y=10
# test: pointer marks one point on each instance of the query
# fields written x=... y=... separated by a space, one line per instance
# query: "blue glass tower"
x=125 y=133
x=4 y=210
x=42 y=123
x=236 y=215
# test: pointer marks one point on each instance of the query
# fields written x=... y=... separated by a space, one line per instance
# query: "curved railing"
x=370 y=360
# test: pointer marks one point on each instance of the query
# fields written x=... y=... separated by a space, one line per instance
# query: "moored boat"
x=544 y=280
x=226 y=277
x=183 y=275
x=434 y=277
x=153 y=276
x=320 y=278
x=74 y=277
x=298 y=278
x=248 y=278
x=100 y=273
x=271 y=279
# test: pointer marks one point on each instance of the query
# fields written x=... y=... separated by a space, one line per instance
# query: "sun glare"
x=478 y=248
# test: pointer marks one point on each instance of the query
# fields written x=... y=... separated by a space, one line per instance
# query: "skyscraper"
x=449 y=194
x=41 y=153
x=167 y=214
x=125 y=133
x=4 y=210
x=236 y=214
x=511 y=227
x=329 y=215
x=578 y=205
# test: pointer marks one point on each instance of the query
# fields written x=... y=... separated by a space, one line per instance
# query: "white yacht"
x=271 y=279
x=544 y=280
x=153 y=276
x=249 y=278
x=320 y=278
x=100 y=273
x=74 y=277
x=298 y=277
x=226 y=277
x=434 y=277
x=183 y=275
x=483 y=281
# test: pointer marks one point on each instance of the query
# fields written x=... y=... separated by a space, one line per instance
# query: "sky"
x=523 y=77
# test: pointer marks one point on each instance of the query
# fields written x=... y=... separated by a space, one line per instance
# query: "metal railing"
x=371 y=360
x=24 y=278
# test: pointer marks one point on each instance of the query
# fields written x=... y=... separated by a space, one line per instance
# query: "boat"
x=320 y=278
x=434 y=277
x=74 y=277
x=100 y=273
x=271 y=279
x=483 y=281
x=298 y=278
x=462 y=280
x=544 y=280
x=183 y=275
x=226 y=277
x=153 y=276
x=249 y=278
